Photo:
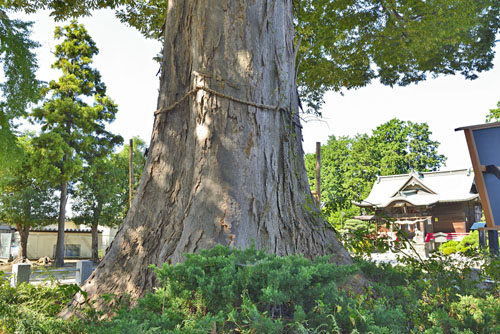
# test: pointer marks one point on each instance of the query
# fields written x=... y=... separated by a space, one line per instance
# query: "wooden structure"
x=483 y=142
x=427 y=202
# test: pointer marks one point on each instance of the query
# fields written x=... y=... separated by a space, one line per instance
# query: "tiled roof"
x=420 y=189
x=52 y=229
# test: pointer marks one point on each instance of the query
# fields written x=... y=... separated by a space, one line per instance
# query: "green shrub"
x=242 y=291
x=353 y=225
x=449 y=247
x=468 y=244
x=33 y=308
x=231 y=291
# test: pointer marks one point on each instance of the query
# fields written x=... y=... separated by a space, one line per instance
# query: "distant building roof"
x=66 y=230
x=53 y=229
x=422 y=189
x=477 y=225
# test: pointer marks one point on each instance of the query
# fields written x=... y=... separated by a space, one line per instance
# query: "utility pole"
x=130 y=171
x=318 y=173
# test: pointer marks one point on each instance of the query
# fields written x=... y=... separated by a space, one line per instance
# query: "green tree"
x=25 y=202
x=101 y=196
x=72 y=131
x=350 y=166
x=494 y=115
x=402 y=146
x=19 y=86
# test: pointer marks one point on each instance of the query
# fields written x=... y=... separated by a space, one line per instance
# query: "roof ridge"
x=453 y=171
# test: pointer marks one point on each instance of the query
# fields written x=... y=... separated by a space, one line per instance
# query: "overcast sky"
x=125 y=62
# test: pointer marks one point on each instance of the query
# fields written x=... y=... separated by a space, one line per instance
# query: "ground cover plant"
x=468 y=244
x=226 y=290
x=232 y=291
x=29 y=308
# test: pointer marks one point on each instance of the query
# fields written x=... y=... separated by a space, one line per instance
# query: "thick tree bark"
x=59 y=260
x=224 y=167
x=24 y=231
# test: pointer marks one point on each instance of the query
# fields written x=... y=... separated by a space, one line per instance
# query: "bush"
x=353 y=225
x=231 y=291
x=33 y=308
x=468 y=244
x=242 y=291
x=449 y=247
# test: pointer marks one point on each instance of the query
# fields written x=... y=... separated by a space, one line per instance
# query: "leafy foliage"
x=25 y=201
x=225 y=290
x=347 y=44
x=405 y=146
x=494 y=114
x=468 y=244
x=72 y=130
x=101 y=197
x=20 y=87
x=24 y=198
x=353 y=225
x=33 y=309
x=239 y=291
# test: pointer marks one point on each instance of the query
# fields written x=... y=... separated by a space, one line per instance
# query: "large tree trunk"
x=24 y=231
x=224 y=166
x=59 y=261
x=95 y=242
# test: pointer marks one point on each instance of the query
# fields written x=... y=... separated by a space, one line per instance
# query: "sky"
x=126 y=64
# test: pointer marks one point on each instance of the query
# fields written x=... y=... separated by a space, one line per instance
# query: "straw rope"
x=216 y=93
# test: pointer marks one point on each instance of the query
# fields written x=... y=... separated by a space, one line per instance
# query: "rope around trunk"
x=216 y=93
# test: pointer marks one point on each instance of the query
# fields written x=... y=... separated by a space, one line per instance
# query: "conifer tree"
x=73 y=130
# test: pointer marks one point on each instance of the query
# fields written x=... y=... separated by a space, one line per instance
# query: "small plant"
x=30 y=308
x=468 y=244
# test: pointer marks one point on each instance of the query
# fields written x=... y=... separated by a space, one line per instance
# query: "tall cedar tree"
x=226 y=162
x=19 y=87
x=25 y=201
x=72 y=131
x=101 y=197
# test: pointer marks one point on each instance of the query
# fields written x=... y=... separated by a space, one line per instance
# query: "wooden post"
x=318 y=172
x=493 y=242
x=130 y=172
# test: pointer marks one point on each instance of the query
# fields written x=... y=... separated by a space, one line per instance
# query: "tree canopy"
x=101 y=197
x=19 y=87
x=25 y=201
x=347 y=44
x=350 y=165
